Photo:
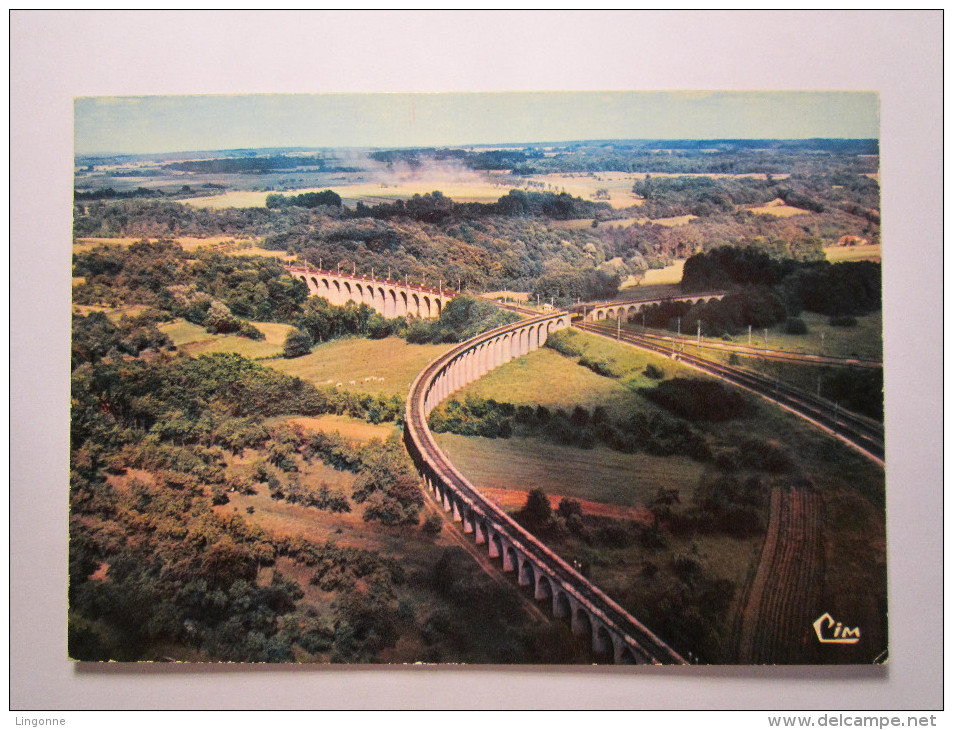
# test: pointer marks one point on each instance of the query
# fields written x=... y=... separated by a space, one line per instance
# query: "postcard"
x=489 y=378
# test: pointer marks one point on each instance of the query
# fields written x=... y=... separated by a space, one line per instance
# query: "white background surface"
x=56 y=56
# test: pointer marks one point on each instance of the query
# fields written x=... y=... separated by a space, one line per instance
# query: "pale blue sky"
x=183 y=123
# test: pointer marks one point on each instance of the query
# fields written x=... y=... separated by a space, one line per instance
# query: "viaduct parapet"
x=389 y=298
x=615 y=634
x=629 y=308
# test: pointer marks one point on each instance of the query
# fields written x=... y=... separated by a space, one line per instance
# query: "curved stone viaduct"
x=389 y=298
x=615 y=635
x=631 y=307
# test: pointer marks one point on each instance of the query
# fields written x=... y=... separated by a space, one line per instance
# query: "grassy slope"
x=195 y=340
x=355 y=363
x=545 y=377
x=598 y=474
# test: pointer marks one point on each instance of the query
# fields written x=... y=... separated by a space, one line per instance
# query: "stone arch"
x=511 y=559
x=544 y=588
x=625 y=656
x=425 y=311
x=516 y=345
x=599 y=314
x=404 y=309
x=468 y=519
x=415 y=305
x=337 y=293
x=502 y=349
x=479 y=530
x=486 y=350
x=562 y=608
x=582 y=623
x=602 y=642
x=495 y=544
x=438 y=305
x=526 y=573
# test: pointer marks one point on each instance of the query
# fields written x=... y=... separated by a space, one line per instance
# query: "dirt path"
x=783 y=600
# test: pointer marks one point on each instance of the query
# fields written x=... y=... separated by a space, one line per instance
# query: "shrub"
x=251 y=331
x=599 y=367
x=795 y=326
x=653 y=372
x=297 y=343
x=843 y=321
x=432 y=525
x=537 y=511
x=697 y=400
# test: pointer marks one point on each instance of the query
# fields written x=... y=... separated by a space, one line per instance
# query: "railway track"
x=865 y=434
x=765 y=353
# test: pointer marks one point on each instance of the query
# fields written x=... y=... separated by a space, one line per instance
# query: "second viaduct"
x=389 y=298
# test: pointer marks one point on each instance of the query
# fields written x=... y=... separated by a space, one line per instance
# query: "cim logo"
x=840 y=635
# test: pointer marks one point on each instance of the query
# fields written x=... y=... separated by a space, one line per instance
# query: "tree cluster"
x=645 y=432
x=304 y=200
x=843 y=289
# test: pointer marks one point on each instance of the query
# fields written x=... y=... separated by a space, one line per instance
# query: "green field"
x=195 y=340
x=545 y=377
x=380 y=367
x=597 y=474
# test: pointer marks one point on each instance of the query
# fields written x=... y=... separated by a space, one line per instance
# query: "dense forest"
x=517 y=243
x=162 y=443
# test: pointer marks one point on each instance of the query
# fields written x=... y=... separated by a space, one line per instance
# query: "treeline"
x=436 y=207
x=849 y=288
x=563 y=285
x=642 y=432
x=113 y=194
x=702 y=196
x=657 y=156
x=754 y=306
x=140 y=192
x=255 y=165
x=304 y=200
